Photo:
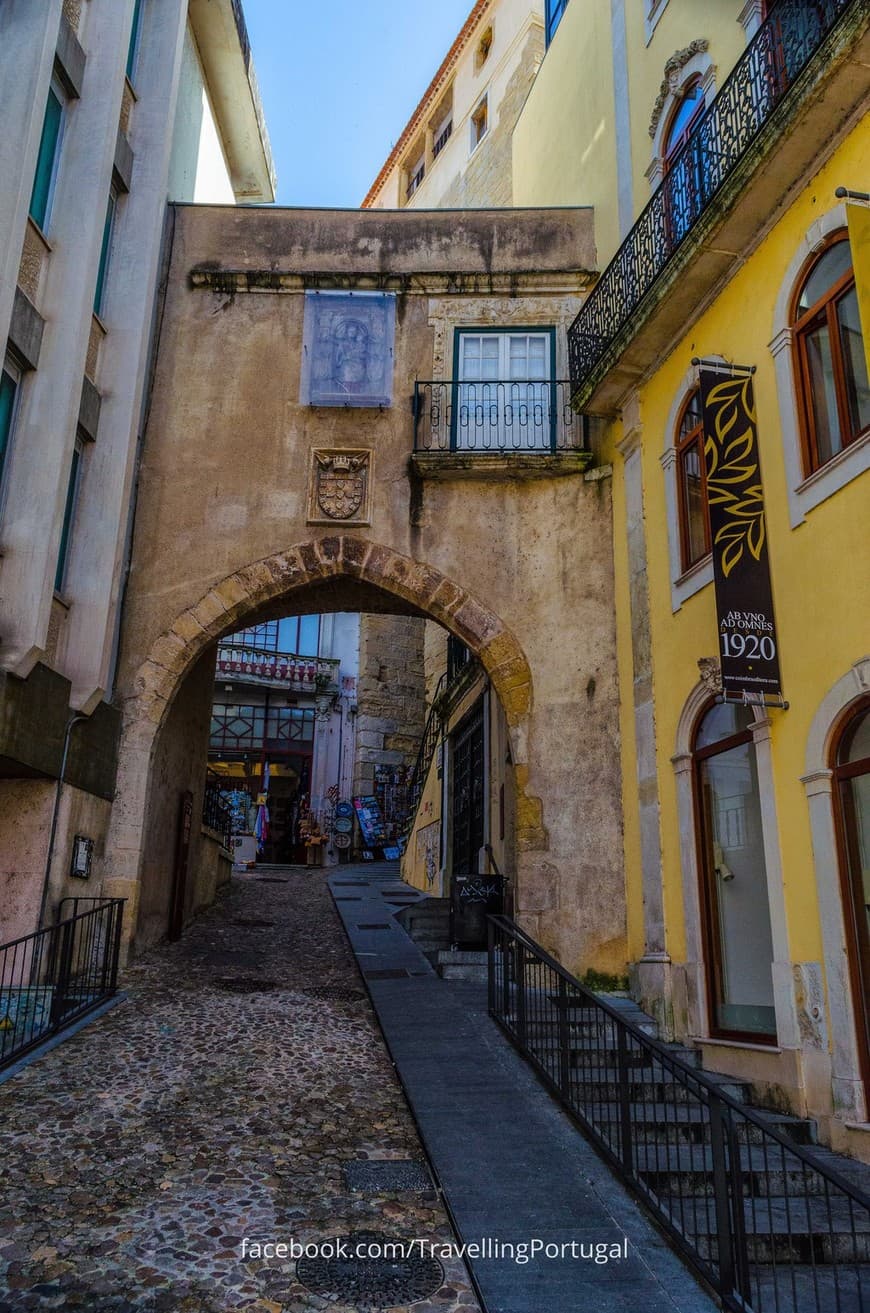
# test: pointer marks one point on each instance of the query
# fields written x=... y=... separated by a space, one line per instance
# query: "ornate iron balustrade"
x=766 y=1222
x=759 y=82
x=299 y=673
x=50 y=979
x=518 y=415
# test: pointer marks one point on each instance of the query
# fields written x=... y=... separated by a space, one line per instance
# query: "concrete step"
x=676 y=1124
x=462 y=964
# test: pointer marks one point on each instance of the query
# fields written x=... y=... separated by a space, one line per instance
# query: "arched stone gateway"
x=284 y=578
x=406 y=499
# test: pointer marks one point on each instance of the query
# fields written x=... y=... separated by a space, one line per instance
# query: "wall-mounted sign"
x=82 y=856
x=741 y=570
x=347 y=349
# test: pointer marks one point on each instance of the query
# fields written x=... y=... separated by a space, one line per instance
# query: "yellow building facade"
x=727 y=157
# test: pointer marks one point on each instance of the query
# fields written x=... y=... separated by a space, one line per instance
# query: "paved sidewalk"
x=511 y=1164
x=220 y=1101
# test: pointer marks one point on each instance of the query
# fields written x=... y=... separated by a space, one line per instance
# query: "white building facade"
x=112 y=107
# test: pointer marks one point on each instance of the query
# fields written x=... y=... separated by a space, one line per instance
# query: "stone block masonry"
x=391 y=696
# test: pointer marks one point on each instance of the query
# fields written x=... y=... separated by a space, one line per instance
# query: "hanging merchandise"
x=341 y=840
x=261 y=826
x=344 y=809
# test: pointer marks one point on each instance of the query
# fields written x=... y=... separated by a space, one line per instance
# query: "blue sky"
x=339 y=80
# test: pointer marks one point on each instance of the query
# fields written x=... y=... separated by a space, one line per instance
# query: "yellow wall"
x=820 y=576
x=565 y=140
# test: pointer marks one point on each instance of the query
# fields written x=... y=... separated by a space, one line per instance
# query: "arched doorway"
x=851 y=774
x=735 y=910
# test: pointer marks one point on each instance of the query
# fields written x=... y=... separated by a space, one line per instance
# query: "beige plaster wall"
x=25 y=817
x=390 y=716
x=524 y=566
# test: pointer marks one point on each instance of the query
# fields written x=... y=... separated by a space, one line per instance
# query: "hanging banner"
x=741 y=571
x=858 y=219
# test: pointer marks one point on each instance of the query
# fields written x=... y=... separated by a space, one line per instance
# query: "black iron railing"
x=763 y=1220
x=53 y=977
x=215 y=812
x=428 y=744
x=502 y=416
x=761 y=79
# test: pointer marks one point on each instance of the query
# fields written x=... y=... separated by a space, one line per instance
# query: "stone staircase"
x=428 y=924
x=808 y=1246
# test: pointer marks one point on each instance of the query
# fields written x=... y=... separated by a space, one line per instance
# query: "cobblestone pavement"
x=137 y=1155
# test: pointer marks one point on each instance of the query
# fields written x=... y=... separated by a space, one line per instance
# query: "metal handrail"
x=761 y=79
x=55 y=976
x=425 y=753
x=216 y=815
x=531 y=995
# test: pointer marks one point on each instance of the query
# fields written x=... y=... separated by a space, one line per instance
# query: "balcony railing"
x=759 y=82
x=298 y=673
x=522 y=415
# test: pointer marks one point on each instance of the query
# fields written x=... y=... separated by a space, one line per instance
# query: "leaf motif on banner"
x=731 y=464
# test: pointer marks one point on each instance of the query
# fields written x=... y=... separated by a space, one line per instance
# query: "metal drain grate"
x=347 y=898
x=270 y=879
x=334 y=993
x=371 y=1282
x=373 y=925
x=388 y=973
x=373 y=1176
x=246 y=985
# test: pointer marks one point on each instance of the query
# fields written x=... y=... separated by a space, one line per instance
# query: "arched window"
x=738 y=941
x=692 y=483
x=684 y=116
x=830 y=363
x=852 y=776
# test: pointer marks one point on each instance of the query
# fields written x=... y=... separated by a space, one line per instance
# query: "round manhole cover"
x=245 y=985
x=334 y=993
x=369 y=1270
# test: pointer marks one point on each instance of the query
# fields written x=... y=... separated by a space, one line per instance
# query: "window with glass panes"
x=72 y=493
x=504 y=401
x=105 y=252
x=47 y=159
x=692 y=483
x=831 y=364
x=9 y=382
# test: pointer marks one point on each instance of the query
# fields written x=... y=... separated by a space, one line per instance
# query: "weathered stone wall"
x=514 y=557
x=488 y=176
x=434 y=657
x=390 y=696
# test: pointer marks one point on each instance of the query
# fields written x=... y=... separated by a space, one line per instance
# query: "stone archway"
x=227 y=605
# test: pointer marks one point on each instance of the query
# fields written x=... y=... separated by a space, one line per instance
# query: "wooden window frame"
x=707 y=895
x=823 y=311
x=681 y=446
x=842 y=775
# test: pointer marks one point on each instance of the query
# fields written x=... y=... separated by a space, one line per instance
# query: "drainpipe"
x=73 y=720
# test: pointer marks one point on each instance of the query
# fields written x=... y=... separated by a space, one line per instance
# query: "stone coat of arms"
x=340 y=486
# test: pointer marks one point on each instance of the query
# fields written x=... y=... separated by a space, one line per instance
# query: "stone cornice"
x=230 y=282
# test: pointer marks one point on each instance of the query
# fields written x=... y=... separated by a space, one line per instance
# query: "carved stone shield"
x=340 y=493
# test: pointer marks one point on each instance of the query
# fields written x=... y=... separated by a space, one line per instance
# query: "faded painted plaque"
x=348 y=346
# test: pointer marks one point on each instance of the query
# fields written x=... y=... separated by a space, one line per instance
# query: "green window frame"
x=72 y=493
x=133 y=48
x=105 y=252
x=9 y=386
x=48 y=157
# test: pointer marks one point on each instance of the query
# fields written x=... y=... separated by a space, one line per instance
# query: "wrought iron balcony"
x=299 y=674
x=506 y=416
x=759 y=83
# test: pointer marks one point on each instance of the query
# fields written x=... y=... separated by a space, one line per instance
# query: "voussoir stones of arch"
x=414 y=581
